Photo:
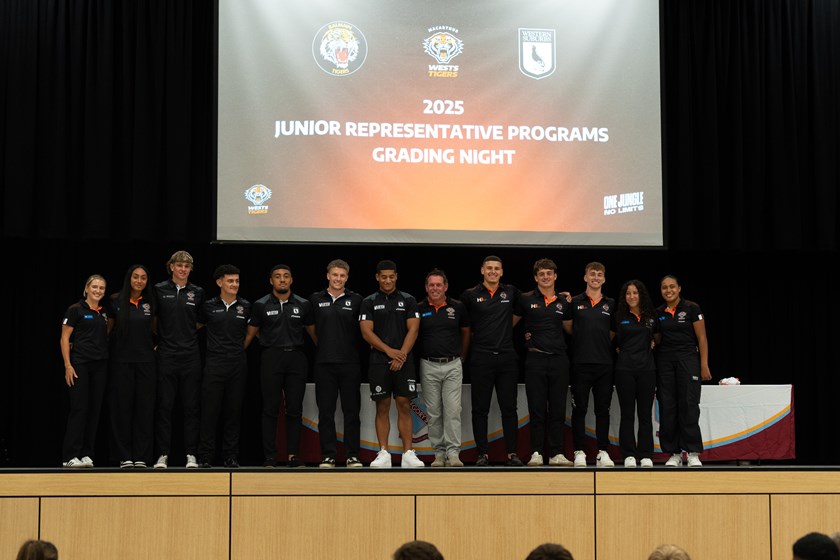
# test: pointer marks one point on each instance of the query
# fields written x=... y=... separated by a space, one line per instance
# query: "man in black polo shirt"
x=444 y=342
x=493 y=359
x=546 y=363
x=590 y=324
x=279 y=319
x=337 y=363
x=225 y=369
x=179 y=358
x=389 y=323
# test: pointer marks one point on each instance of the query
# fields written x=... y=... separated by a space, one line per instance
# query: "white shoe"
x=560 y=460
x=382 y=461
x=440 y=460
x=191 y=462
x=87 y=462
x=630 y=463
x=453 y=460
x=410 y=460
x=674 y=461
x=647 y=463
x=73 y=463
x=602 y=459
x=162 y=462
x=580 y=459
x=536 y=460
x=694 y=460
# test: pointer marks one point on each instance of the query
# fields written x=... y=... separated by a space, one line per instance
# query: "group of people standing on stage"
x=142 y=344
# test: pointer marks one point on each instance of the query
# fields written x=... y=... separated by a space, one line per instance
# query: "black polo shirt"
x=89 y=339
x=440 y=328
x=389 y=313
x=281 y=323
x=591 y=342
x=133 y=342
x=226 y=327
x=633 y=338
x=543 y=318
x=337 y=327
x=177 y=314
x=678 y=338
x=491 y=317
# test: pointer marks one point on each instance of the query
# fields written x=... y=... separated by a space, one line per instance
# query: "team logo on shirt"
x=450 y=311
x=147 y=308
x=191 y=296
x=400 y=304
x=295 y=310
x=503 y=295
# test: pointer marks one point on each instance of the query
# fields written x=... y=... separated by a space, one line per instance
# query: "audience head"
x=417 y=550
x=668 y=552
x=815 y=546
x=37 y=550
x=550 y=551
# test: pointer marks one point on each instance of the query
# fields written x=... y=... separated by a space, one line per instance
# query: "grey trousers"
x=441 y=389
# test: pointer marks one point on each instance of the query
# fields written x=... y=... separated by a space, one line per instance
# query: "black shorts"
x=384 y=382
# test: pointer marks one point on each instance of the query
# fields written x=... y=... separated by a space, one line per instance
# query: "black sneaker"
x=483 y=461
x=295 y=463
x=231 y=463
x=514 y=461
x=204 y=464
x=327 y=463
x=270 y=463
x=354 y=463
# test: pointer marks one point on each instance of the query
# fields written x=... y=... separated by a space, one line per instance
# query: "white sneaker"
x=580 y=458
x=560 y=460
x=191 y=462
x=602 y=459
x=440 y=460
x=674 y=461
x=73 y=463
x=453 y=460
x=87 y=462
x=647 y=463
x=536 y=460
x=382 y=461
x=694 y=460
x=630 y=463
x=162 y=462
x=410 y=460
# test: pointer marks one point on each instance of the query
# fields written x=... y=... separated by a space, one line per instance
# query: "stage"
x=716 y=512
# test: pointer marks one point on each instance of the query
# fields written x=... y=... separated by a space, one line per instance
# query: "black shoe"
x=295 y=463
x=270 y=463
x=231 y=463
x=204 y=464
x=483 y=461
x=514 y=461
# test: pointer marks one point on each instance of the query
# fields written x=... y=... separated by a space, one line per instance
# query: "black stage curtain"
x=107 y=158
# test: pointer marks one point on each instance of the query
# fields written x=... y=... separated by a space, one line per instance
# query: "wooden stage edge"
x=745 y=512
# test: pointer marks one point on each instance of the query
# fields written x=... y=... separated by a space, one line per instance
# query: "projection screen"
x=493 y=122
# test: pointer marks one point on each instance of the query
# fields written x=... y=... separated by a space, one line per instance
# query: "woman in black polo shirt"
x=84 y=347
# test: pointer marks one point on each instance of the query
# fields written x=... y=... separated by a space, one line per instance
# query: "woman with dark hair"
x=133 y=369
x=84 y=347
x=682 y=364
x=37 y=550
x=636 y=327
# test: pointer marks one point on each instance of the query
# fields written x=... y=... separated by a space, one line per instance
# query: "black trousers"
x=678 y=392
x=283 y=378
x=178 y=376
x=546 y=385
x=636 y=390
x=132 y=408
x=597 y=378
x=222 y=393
x=332 y=381
x=499 y=371
x=85 y=405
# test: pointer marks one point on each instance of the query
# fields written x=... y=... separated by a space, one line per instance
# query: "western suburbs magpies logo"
x=537 y=52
